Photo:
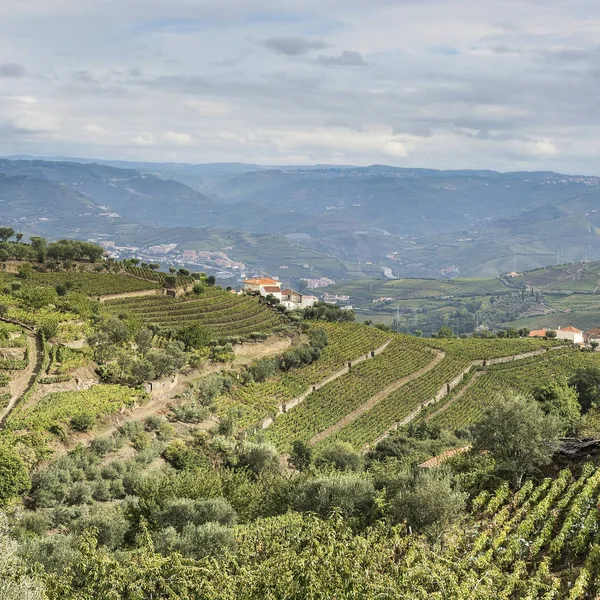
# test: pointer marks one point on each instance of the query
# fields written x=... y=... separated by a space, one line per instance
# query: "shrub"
x=14 y=478
x=82 y=422
x=340 y=455
x=353 y=495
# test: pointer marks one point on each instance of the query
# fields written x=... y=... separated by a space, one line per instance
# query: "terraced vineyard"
x=522 y=375
x=346 y=341
x=331 y=403
x=351 y=409
x=223 y=313
x=158 y=276
x=467 y=409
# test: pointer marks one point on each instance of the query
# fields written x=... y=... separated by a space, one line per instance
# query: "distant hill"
x=147 y=199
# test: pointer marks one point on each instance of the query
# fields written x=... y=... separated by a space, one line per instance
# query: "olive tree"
x=520 y=437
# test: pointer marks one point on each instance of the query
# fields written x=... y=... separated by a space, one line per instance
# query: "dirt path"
x=376 y=399
x=19 y=386
x=458 y=395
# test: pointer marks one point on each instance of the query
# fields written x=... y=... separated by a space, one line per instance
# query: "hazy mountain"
x=147 y=199
x=416 y=222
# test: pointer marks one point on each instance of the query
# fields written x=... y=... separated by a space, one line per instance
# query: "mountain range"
x=371 y=220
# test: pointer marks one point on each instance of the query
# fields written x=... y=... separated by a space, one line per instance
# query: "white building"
x=265 y=286
x=569 y=334
x=294 y=300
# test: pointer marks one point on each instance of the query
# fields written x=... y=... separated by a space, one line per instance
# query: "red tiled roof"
x=436 y=461
x=537 y=333
x=287 y=292
x=262 y=281
x=572 y=329
x=271 y=289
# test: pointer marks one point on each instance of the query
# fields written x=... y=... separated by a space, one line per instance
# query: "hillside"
x=149 y=419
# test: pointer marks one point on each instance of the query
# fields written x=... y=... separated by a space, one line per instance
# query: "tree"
x=301 y=455
x=558 y=399
x=351 y=493
x=143 y=340
x=6 y=233
x=14 y=479
x=550 y=334
x=40 y=247
x=19 y=237
x=14 y=583
x=429 y=503
x=445 y=332
x=170 y=281
x=586 y=381
x=194 y=335
x=518 y=434
x=260 y=458
x=340 y=455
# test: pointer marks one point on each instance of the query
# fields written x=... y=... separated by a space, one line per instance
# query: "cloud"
x=348 y=58
x=292 y=46
x=449 y=83
x=12 y=70
x=179 y=139
x=34 y=123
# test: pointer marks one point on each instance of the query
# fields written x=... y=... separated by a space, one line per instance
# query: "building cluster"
x=321 y=282
x=265 y=286
x=207 y=258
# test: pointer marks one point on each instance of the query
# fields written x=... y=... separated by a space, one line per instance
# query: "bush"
x=14 y=478
x=353 y=495
x=340 y=455
x=82 y=422
x=197 y=541
x=131 y=429
x=190 y=413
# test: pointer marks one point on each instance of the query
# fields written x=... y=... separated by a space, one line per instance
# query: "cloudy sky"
x=499 y=84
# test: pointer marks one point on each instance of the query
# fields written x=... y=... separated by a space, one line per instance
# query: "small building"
x=569 y=334
x=294 y=300
x=265 y=286
x=592 y=335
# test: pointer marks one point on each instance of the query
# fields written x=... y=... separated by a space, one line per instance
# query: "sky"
x=495 y=84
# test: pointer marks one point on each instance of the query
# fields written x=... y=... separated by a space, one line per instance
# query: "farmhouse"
x=293 y=300
x=265 y=286
x=570 y=334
